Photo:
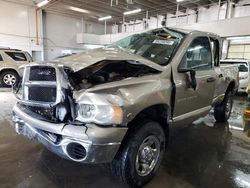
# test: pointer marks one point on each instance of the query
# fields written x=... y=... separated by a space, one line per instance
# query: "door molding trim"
x=190 y=114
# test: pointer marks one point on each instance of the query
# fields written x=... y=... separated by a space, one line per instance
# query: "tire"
x=127 y=164
x=9 y=78
x=222 y=111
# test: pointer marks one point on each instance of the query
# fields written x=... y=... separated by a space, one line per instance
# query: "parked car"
x=117 y=104
x=10 y=60
x=244 y=72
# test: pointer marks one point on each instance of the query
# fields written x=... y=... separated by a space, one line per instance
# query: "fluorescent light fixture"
x=79 y=10
x=178 y=1
x=104 y=18
x=41 y=4
x=132 y=11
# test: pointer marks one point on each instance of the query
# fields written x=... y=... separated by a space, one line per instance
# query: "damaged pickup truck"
x=116 y=104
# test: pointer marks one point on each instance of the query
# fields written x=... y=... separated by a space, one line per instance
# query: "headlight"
x=100 y=114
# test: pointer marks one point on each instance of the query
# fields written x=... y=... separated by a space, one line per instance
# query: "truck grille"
x=42 y=73
x=47 y=113
x=40 y=84
x=42 y=94
x=41 y=113
x=40 y=91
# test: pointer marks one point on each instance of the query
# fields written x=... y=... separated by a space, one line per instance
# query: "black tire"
x=124 y=163
x=222 y=111
x=13 y=75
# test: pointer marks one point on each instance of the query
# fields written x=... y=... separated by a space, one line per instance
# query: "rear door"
x=197 y=57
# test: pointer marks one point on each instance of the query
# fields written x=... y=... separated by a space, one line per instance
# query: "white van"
x=244 y=72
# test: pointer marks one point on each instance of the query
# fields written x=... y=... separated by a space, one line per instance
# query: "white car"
x=244 y=72
x=10 y=61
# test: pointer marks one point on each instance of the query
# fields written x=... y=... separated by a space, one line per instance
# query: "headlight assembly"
x=100 y=114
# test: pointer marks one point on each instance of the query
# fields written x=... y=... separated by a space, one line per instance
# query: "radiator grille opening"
x=41 y=113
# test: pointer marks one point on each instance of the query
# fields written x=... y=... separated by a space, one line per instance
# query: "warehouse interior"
x=206 y=152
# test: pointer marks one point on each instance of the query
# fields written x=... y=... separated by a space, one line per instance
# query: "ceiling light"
x=180 y=1
x=41 y=4
x=104 y=18
x=132 y=11
x=79 y=10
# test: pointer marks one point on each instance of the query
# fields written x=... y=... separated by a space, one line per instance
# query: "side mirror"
x=191 y=78
x=193 y=82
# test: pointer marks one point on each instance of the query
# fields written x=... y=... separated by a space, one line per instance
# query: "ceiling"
x=93 y=9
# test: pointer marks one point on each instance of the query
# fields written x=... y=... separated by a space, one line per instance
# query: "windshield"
x=157 y=45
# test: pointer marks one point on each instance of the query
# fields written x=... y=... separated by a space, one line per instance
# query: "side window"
x=198 y=55
x=17 y=56
x=1 y=58
x=215 y=45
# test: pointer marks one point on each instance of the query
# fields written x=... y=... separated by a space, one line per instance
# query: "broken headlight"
x=100 y=114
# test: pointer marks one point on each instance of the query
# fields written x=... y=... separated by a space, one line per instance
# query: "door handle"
x=211 y=79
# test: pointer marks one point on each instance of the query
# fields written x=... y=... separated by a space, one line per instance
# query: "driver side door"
x=189 y=100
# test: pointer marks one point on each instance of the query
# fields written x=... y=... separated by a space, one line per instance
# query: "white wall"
x=224 y=28
x=60 y=33
x=18 y=27
x=56 y=33
x=241 y=10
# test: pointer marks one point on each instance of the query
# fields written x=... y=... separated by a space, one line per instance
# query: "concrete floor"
x=204 y=155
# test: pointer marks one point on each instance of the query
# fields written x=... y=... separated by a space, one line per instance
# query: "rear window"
x=17 y=56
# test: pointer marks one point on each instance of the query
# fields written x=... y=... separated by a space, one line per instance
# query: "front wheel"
x=222 y=111
x=140 y=155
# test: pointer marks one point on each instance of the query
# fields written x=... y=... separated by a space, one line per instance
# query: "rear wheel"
x=222 y=111
x=9 y=78
x=140 y=155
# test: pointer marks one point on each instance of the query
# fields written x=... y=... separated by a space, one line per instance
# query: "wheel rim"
x=9 y=79
x=147 y=155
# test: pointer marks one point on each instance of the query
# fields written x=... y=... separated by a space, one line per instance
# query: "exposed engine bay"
x=107 y=71
x=42 y=82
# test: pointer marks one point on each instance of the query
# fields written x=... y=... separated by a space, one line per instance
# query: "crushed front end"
x=47 y=112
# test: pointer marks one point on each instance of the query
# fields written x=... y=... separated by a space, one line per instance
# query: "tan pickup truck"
x=117 y=104
x=10 y=61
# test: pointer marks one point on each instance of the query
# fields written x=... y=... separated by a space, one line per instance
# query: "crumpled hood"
x=85 y=59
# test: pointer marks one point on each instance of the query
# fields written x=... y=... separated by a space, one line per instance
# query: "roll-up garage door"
x=239 y=51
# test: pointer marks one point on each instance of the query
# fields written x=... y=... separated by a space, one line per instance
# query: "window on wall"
x=17 y=56
x=239 y=51
x=198 y=55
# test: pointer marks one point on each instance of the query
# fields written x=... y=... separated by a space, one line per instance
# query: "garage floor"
x=205 y=155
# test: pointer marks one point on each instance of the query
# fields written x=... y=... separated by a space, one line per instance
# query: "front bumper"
x=96 y=144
